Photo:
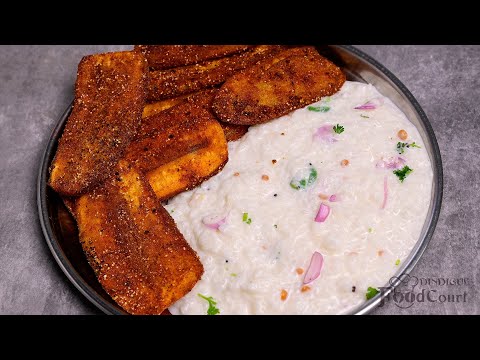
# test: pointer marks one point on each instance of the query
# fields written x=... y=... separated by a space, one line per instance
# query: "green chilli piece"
x=323 y=109
x=371 y=292
x=304 y=183
x=401 y=146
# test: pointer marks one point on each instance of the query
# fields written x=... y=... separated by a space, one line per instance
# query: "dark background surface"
x=37 y=86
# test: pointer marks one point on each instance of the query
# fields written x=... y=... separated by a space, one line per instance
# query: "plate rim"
x=59 y=255
x=91 y=294
x=437 y=182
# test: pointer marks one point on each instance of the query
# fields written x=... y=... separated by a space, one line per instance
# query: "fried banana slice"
x=159 y=106
x=162 y=57
x=190 y=170
x=108 y=105
x=232 y=132
x=276 y=86
x=137 y=252
x=174 y=82
x=181 y=147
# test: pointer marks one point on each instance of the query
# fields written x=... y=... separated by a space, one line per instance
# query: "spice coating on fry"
x=276 y=86
x=162 y=57
x=139 y=256
x=109 y=99
x=181 y=147
x=174 y=82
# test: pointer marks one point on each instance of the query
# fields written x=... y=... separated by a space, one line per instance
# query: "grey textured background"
x=37 y=86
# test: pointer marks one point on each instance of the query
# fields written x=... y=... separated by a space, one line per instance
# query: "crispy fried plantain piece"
x=188 y=79
x=276 y=86
x=139 y=256
x=181 y=147
x=159 y=106
x=232 y=132
x=109 y=99
x=192 y=169
x=161 y=57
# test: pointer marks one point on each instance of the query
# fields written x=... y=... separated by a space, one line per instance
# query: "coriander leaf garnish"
x=323 y=109
x=397 y=262
x=246 y=219
x=371 y=292
x=338 y=129
x=212 y=310
x=402 y=173
x=401 y=146
x=298 y=184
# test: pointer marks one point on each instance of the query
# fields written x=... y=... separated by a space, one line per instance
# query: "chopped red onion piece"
x=323 y=213
x=314 y=269
x=214 y=221
x=325 y=133
x=394 y=162
x=370 y=105
x=385 y=192
x=334 y=198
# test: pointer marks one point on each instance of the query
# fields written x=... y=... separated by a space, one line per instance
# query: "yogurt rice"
x=323 y=180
